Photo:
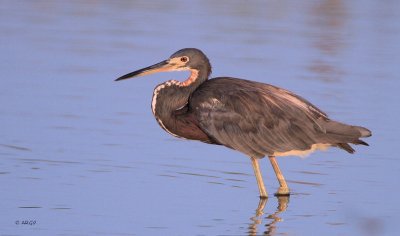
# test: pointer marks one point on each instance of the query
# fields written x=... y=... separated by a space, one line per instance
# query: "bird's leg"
x=260 y=182
x=283 y=189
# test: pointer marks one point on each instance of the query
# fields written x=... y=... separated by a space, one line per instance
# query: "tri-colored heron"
x=254 y=118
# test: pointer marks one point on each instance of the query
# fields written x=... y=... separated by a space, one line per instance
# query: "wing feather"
x=254 y=118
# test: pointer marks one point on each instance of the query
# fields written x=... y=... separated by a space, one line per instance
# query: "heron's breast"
x=172 y=113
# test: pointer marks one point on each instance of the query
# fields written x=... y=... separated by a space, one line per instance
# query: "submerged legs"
x=283 y=189
x=260 y=182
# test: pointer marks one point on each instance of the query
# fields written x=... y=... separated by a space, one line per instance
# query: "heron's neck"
x=173 y=95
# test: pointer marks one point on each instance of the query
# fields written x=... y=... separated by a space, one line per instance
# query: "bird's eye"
x=184 y=59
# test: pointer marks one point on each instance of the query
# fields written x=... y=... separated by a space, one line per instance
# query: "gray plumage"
x=260 y=119
x=254 y=118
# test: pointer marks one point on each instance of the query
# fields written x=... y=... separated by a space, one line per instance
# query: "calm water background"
x=82 y=155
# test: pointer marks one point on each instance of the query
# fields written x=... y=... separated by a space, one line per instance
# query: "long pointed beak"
x=159 y=67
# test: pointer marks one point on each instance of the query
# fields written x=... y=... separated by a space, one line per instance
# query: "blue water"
x=82 y=155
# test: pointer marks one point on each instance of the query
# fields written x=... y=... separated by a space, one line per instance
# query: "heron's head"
x=184 y=59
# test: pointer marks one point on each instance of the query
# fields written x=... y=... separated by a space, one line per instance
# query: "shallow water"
x=82 y=155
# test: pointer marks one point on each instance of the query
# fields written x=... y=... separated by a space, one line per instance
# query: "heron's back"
x=260 y=119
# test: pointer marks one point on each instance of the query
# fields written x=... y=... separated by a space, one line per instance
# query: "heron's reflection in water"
x=273 y=218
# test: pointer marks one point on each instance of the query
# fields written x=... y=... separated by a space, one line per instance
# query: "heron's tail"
x=341 y=135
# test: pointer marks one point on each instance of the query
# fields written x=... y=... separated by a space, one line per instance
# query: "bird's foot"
x=282 y=191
